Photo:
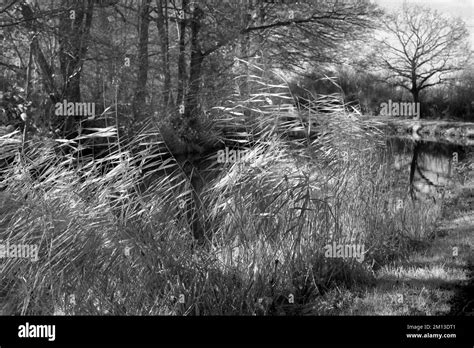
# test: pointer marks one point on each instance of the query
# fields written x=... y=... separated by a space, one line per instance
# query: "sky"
x=455 y=8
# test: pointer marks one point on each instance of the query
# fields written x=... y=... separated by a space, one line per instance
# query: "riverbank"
x=268 y=256
x=438 y=276
x=439 y=131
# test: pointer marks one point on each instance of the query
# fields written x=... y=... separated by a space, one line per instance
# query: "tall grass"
x=119 y=241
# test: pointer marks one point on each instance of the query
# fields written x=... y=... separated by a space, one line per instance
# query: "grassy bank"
x=436 y=277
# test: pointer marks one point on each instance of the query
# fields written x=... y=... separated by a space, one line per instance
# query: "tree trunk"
x=195 y=210
x=192 y=97
x=73 y=47
x=415 y=91
x=73 y=44
x=44 y=67
x=244 y=52
x=416 y=95
x=27 y=96
x=182 y=53
x=416 y=99
x=162 y=26
x=139 y=99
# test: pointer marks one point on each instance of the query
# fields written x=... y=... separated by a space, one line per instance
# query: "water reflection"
x=426 y=167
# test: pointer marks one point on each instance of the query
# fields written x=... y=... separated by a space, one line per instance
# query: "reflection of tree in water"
x=431 y=168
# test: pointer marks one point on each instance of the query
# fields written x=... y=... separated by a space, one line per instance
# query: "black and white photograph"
x=164 y=160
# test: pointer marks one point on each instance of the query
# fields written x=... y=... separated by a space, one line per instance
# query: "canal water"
x=427 y=169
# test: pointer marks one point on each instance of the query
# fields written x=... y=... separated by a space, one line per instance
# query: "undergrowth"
x=118 y=241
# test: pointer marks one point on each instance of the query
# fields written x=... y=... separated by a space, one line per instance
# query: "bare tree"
x=422 y=48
